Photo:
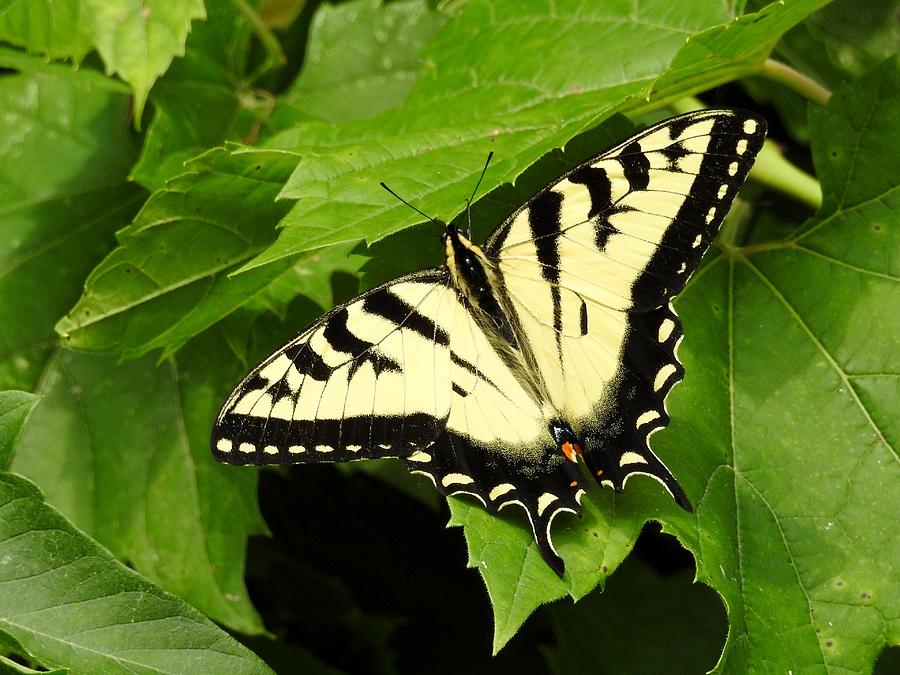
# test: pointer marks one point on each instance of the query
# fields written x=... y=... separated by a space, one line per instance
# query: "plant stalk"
x=795 y=80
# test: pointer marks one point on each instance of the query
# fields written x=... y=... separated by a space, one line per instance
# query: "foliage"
x=207 y=181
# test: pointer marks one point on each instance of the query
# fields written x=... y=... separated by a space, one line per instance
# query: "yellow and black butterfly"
x=555 y=340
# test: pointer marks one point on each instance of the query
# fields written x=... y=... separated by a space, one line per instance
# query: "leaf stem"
x=687 y=104
x=274 y=54
x=774 y=171
x=795 y=80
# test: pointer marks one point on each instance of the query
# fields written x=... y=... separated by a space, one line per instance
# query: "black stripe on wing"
x=544 y=219
x=259 y=423
x=734 y=143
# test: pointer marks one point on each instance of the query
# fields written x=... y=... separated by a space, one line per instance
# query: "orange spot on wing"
x=574 y=483
x=570 y=450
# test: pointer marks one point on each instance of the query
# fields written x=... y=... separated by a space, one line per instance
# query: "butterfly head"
x=458 y=247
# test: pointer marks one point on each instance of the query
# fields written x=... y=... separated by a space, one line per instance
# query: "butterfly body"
x=552 y=344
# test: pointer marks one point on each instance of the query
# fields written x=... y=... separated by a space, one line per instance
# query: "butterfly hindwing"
x=617 y=437
x=539 y=480
x=496 y=446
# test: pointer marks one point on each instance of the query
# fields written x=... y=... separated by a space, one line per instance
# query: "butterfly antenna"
x=424 y=215
x=469 y=200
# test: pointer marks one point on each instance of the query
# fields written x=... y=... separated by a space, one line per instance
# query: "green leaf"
x=467 y=102
x=57 y=29
x=832 y=44
x=785 y=427
x=839 y=42
x=138 y=40
x=58 y=217
x=348 y=75
x=311 y=276
x=123 y=451
x=727 y=52
x=10 y=646
x=68 y=602
x=650 y=624
x=168 y=280
x=8 y=666
x=203 y=100
x=518 y=580
x=15 y=406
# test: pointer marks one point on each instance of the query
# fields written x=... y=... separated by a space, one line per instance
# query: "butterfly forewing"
x=591 y=263
x=342 y=389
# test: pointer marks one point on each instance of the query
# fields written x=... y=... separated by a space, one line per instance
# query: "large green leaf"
x=68 y=602
x=57 y=217
x=793 y=460
x=57 y=584
x=468 y=101
x=348 y=75
x=123 y=452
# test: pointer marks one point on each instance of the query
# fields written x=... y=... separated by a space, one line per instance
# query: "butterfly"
x=550 y=347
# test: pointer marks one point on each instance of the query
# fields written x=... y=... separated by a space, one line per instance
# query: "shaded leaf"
x=311 y=276
x=123 y=451
x=58 y=217
x=640 y=623
x=730 y=51
x=838 y=42
x=15 y=406
x=68 y=602
x=362 y=59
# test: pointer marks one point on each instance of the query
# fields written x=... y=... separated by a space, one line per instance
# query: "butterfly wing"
x=404 y=371
x=496 y=445
x=591 y=263
x=342 y=389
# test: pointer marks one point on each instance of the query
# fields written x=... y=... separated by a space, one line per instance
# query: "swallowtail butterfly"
x=553 y=343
